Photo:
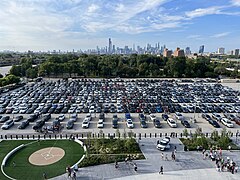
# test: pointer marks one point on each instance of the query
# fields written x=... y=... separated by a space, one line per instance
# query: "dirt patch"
x=46 y=156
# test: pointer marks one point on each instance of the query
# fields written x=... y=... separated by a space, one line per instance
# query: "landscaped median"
x=199 y=141
x=103 y=151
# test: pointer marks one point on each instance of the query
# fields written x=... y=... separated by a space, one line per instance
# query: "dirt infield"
x=46 y=156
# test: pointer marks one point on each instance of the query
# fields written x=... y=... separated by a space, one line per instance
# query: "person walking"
x=74 y=176
x=135 y=167
x=166 y=157
x=162 y=156
x=161 y=170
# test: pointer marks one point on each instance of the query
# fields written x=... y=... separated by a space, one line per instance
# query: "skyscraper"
x=109 y=46
x=187 y=51
x=201 y=49
x=236 y=52
x=221 y=50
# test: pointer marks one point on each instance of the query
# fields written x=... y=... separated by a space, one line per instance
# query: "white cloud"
x=92 y=8
x=236 y=2
x=219 y=35
x=120 y=8
x=203 y=12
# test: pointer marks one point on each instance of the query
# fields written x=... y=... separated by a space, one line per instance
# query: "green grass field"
x=25 y=170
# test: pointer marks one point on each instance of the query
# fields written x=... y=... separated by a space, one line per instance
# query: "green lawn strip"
x=5 y=148
x=25 y=170
x=103 y=151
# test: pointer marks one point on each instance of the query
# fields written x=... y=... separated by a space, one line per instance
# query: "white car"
x=129 y=124
x=152 y=117
x=7 y=124
x=89 y=116
x=179 y=116
x=100 y=124
x=163 y=145
x=61 y=117
x=85 y=123
x=227 y=122
x=92 y=109
x=171 y=123
x=23 y=110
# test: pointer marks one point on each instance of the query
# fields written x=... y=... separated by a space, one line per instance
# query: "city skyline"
x=77 y=24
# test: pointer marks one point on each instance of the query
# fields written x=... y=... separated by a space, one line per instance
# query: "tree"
x=31 y=73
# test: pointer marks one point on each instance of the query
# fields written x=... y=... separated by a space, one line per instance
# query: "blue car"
x=159 y=109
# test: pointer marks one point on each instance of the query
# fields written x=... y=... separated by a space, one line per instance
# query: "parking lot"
x=120 y=97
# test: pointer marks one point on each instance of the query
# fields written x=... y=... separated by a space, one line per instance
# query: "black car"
x=143 y=124
x=115 y=123
x=23 y=125
x=157 y=123
x=70 y=124
x=17 y=118
x=165 y=117
x=142 y=117
x=46 y=117
x=32 y=117
x=39 y=124
x=214 y=123
x=185 y=123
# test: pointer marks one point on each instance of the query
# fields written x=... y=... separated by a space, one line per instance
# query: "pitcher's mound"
x=46 y=156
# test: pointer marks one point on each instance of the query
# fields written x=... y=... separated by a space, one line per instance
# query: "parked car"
x=185 y=123
x=4 y=119
x=156 y=123
x=39 y=124
x=179 y=116
x=17 y=118
x=23 y=125
x=70 y=124
x=227 y=122
x=129 y=123
x=115 y=121
x=165 y=117
x=216 y=116
x=171 y=123
x=143 y=124
x=100 y=124
x=9 y=123
x=85 y=123
x=61 y=117
x=214 y=123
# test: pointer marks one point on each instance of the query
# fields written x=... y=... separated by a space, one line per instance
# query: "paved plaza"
x=188 y=165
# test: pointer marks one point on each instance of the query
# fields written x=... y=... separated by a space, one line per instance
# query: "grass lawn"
x=25 y=170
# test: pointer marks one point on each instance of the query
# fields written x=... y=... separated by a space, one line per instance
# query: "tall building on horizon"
x=221 y=50
x=179 y=52
x=201 y=49
x=109 y=46
x=236 y=52
x=187 y=51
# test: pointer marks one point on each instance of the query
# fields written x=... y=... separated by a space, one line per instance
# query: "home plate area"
x=46 y=156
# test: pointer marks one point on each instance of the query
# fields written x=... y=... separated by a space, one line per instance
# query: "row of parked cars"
x=227 y=120
x=119 y=96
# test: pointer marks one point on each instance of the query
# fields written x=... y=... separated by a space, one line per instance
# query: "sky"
x=42 y=25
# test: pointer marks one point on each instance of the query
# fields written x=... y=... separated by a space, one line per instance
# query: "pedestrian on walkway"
x=229 y=148
x=135 y=167
x=166 y=157
x=161 y=170
x=162 y=156
x=175 y=149
x=74 y=177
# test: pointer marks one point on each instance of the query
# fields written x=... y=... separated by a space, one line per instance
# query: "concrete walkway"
x=188 y=165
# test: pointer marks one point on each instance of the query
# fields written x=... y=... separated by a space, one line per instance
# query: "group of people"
x=173 y=156
x=71 y=173
x=128 y=159
x=222 y=164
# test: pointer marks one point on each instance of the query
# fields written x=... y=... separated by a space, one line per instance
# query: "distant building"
x=167 y=53
x=221 y=50
x=179 y=52
x=201 y=49
x=236 y=52
x=187 y=51
x=109 y=46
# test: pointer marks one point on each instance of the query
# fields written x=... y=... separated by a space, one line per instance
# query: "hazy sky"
x=82 y=24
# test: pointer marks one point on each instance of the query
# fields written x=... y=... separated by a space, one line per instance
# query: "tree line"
x=131 y=66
